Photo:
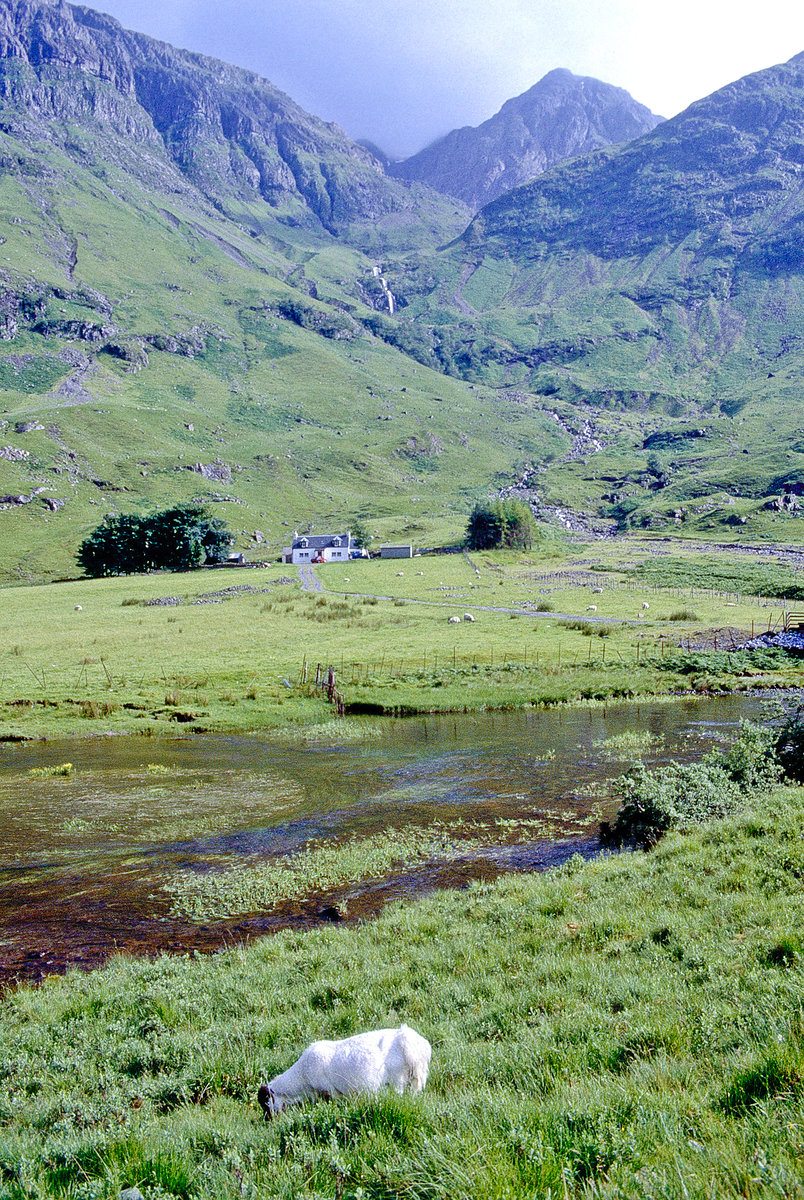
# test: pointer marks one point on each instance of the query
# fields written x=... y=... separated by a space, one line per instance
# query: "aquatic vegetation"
x=64 y=769
x=344 y=731
x=634 y=743
x=319 y=868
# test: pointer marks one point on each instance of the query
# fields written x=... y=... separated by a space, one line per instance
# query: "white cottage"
x=319 y=548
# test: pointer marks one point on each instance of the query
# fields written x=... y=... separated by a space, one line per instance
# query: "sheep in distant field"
x=645 y=604
x=454 y=620
x=367 y=1062
x=78 y=608
x=597 y=591
x=591 y=608
x=468 y=617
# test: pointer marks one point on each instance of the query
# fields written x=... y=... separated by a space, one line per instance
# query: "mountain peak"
x=560 y=117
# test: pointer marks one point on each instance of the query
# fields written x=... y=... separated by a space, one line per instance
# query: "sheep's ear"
x=266 y=1099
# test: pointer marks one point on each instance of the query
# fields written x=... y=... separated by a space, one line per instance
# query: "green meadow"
x=239 y=649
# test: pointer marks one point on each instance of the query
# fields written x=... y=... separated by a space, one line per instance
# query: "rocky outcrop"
x=562 y=116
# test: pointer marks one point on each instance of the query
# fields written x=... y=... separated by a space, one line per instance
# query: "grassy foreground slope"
x=627 y=1027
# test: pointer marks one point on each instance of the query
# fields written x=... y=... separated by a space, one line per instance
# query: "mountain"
x=186 y=312
x=560 y=117
x=183 y=121
x=208 y=295
x=659 y=289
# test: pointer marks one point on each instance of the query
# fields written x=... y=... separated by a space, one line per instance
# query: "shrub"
x=679 y=795
x=789 y=741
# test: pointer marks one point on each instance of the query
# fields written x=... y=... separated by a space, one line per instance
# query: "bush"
x=679 y=795
x=789 y=741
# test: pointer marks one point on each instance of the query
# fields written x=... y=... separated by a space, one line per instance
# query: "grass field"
x=239 y=649
x=631 y=1027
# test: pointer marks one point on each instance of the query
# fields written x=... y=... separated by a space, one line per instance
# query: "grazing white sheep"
x=645 y=604
x=400 y=572
x=591 y=608
x=597 y=591
x=79 y=608
x=367 y=1062
x=454 y=620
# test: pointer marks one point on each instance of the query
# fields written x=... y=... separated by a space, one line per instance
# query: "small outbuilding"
x=401 y=550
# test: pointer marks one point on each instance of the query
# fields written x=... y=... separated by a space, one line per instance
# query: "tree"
x=498 y=523
x=484 y=531
x=119 y=546
x=360 y=535
x=176 y=539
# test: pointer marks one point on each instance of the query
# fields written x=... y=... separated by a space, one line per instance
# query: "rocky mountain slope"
x=207 y=294
x=78 y=80
x=561 y=117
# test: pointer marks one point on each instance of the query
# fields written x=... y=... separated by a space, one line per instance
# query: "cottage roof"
x=320 y=541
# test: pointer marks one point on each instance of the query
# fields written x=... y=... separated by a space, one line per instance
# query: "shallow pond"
x=148 y=844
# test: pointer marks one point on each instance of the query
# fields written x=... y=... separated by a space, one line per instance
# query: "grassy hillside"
x=194 y=304
x=173 y=296
x=627 y=1027
x=147 y=336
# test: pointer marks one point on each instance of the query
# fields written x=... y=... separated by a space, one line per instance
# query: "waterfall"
x=389 y=295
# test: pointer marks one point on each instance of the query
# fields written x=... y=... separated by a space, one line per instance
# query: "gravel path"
x=309 y=581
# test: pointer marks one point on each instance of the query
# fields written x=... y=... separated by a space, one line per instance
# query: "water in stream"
x=84 y=858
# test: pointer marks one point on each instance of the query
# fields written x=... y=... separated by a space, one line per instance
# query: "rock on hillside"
x=562 y=116
x=168 y=113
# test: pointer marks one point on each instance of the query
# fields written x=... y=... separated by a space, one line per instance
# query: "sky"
x=400 y=73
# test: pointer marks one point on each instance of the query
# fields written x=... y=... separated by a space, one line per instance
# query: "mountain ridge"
x=604 y=341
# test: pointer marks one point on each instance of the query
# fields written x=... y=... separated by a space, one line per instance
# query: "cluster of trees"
x=177 y=539
x=497 y=523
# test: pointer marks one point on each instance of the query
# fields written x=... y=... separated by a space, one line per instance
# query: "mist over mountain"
x=560 y=117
